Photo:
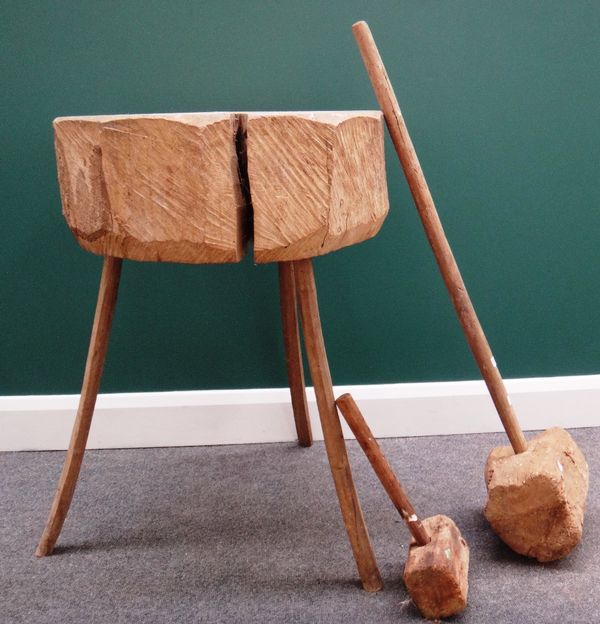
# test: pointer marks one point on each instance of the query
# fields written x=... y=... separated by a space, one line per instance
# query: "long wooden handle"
x=435 y=233
x=381 y=466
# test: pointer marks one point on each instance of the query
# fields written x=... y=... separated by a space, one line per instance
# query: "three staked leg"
x=300 y=274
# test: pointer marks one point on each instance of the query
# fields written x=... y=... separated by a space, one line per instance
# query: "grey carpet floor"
x=253 y=534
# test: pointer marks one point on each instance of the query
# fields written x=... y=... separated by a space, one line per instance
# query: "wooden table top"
x=195 y=187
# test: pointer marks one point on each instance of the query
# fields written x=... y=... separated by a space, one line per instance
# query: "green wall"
x=501 y=99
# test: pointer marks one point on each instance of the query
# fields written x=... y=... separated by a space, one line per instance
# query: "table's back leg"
x=293 y=352
x=332 y=430
x=107 y=297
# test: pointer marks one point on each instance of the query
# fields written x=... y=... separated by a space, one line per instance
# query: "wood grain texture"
x=153 y=187
x=293 y=352
x=105 y=307
x=332 y=429
x=437 y=238
x=317 y=181
x=179 y=187
x=384 y=471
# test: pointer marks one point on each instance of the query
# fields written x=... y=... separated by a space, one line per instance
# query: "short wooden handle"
x=435 y=233
x=381 y=466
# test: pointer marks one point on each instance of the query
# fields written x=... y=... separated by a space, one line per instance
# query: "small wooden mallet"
x=536 y=491
x=437 y=566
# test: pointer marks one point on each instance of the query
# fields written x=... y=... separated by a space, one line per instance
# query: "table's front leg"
x=332 y=429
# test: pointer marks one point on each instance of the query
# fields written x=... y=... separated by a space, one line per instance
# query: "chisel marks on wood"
x=317 y=181
x=162 y=187
x=191 y=188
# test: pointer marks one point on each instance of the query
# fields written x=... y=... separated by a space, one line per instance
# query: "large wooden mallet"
x=437 y=566
x=536 y=495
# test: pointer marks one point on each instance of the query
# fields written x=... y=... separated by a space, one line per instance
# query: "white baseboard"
x=207 y=417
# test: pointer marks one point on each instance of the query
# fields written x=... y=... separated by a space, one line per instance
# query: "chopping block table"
x=194 y=188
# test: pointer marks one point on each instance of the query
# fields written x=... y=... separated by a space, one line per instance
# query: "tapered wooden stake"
x=382 y=467
x=107 y=297
x=293 y=353
x=332 y=430
x=435 y=233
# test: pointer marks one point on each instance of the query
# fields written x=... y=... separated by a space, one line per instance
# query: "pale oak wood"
x=317 y=181
x=384 y=471
x=437 y=238
x=332 y=429
x=153 y=187
x=293 y=352
x=178 y=187
x=105 y=307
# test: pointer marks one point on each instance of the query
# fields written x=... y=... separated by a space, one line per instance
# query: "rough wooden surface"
x=536 y=499
x=179 y=187
x=332 y=429
x=317 y=181
x=105 y=307
x=145 y=187
x=437 y=574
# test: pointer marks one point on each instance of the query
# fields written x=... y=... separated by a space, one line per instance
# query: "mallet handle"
x=381 y=466
x=435 y=233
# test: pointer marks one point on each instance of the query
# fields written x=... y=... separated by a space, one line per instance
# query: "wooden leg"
x=107 y=297
x=293 y=353
x=332 y=429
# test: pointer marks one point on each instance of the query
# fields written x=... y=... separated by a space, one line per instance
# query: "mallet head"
x=536 y=499
x=436 y=574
